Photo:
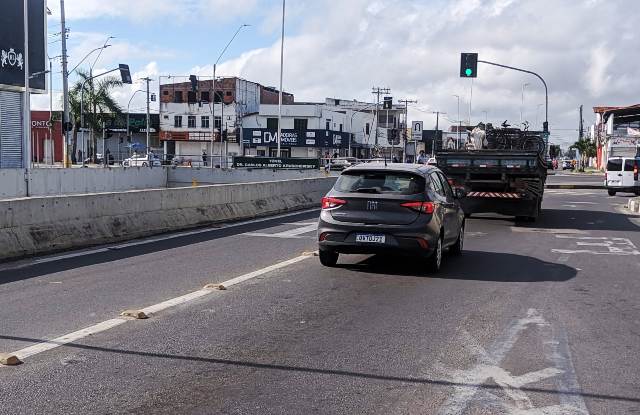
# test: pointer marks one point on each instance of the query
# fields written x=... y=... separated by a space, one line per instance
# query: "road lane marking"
x=599 y=245
x=150 y=310
x=549 y=231
x=293 y=233
x=517 y=401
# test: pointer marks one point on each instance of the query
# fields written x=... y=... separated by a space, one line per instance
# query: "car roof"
x=400 y=167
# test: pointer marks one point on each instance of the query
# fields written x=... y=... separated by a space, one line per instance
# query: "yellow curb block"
x=9 y=359
x=137 y=314
x=215 y=287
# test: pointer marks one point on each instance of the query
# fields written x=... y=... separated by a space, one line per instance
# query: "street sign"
x=416 y=130
x=12 y=59
x=276 y=163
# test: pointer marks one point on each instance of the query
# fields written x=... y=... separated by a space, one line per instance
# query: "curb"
x=634 y=204
x=574 y=186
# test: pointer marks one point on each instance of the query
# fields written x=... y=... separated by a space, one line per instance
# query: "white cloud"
x=150 y=10
x=597 y=75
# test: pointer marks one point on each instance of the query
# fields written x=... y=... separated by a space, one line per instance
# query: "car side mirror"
x=459 y=193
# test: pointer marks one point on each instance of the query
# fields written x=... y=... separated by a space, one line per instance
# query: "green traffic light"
x=468 y=71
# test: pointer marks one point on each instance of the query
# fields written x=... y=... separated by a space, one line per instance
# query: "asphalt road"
x=561 y=177
x=535 y=319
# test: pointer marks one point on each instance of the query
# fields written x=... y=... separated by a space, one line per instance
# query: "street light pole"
x=26 y=142
x=459 y=122
x=280 y=91
x=213 y=104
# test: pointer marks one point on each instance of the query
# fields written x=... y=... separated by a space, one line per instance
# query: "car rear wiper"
x=368 y=190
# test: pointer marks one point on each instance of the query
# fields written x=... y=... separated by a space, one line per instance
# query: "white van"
x=622 y=175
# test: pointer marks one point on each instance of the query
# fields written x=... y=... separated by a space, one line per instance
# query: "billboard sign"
x=12 y=53
x=416 y=130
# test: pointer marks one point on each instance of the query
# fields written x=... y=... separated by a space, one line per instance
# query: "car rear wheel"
x=456 y=249
x=328 y=258
x=434 y=262
x=144 y=164
x=611 y=192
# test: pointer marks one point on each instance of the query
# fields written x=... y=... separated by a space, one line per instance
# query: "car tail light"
x=323 y=236
x=635 y=171
x=423 y=243
x=332 y=202
x=423 y=207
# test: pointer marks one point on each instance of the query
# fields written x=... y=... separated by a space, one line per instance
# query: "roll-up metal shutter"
x=10 y=129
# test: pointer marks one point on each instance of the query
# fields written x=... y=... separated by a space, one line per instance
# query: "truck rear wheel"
x=611 y=192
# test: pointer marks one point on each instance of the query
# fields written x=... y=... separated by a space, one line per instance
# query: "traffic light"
x=194 y=82
x=124 y=73
x=468 y=65
x=387 y=103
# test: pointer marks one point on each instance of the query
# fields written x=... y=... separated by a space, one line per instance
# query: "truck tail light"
x=332 y=202
x=422 y=207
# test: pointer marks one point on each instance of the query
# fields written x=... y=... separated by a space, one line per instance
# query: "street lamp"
x=86 y=56
x=522 y=102
x=213 y=105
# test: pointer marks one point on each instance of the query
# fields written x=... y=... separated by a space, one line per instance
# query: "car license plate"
x=370 y=238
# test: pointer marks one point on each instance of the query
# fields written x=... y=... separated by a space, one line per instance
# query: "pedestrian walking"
x=204 y=157
x=422 y=158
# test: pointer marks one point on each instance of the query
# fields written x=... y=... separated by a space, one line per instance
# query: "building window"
x=300 y=124
x=228 y=93
x=218 y=96
x=177 y=97
x=177 y=121
x=340 y=128
x=218 y=123
x=204 y=96
x=191 y=121
x=165 y=92
x=261 y=153
x=166 y=117
x=191 y=97
x=328 y=125
x=272 y=123
x=366 y=129
x=204 y=122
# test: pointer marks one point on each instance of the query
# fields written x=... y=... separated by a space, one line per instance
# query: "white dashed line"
x=109 y=324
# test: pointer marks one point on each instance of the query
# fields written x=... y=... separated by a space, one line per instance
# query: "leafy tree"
x=98 y=104
x=587 y=149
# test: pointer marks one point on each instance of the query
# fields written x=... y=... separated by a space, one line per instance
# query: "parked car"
x=567 y=165
x=622 y=175
x=341 y=163
x=398 y=208
x=141 y=161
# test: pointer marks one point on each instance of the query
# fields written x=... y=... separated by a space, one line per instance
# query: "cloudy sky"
x=587 y=50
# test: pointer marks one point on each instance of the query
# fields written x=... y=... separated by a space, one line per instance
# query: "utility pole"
x=406 y=103
x=580 y=126
x=377 y=91
x=147 y=79
x=435 y=137
x=26 y=155
x=65 y=90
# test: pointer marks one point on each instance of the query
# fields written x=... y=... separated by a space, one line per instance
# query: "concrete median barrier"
x=634 y=205
x=36 y=225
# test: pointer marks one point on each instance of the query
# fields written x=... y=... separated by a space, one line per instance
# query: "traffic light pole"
x=546 y=92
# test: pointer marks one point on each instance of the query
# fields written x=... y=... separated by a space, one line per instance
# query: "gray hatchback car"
x=396 y=208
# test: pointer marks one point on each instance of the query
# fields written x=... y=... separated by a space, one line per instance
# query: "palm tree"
x=587 y=149
x=98 y=104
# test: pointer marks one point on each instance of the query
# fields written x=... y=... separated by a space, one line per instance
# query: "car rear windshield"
x=614 y=165
x=380 y=182
x=628 y=164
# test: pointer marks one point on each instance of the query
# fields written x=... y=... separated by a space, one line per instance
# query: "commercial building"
x=46 y=137
x=616 y=132
x=188 y=108
x=315 y=129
